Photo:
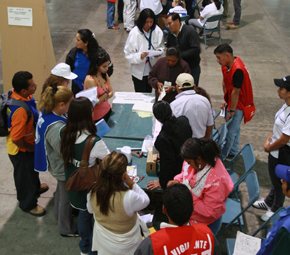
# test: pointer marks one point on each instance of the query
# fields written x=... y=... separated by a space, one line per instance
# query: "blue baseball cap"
x=283 y=172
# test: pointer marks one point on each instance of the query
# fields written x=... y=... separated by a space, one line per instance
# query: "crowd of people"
x=53 y=135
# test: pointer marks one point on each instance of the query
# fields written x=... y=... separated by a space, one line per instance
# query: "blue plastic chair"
x=249 y=162
x=234 y=212
x=215 y=226
x=230 y=242
x=217 y=29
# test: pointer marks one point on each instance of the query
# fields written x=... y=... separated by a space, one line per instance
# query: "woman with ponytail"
x=206 y=177
x=211 y=9
x=115 y=200
x=53 y=104
x=174 y=132
x=79 y=126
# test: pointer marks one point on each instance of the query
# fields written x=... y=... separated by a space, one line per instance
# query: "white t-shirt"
x=281 y=126
x=154 y=5
x=134 y=200
x=208 y=11
x=178 y=9
x=196 y=108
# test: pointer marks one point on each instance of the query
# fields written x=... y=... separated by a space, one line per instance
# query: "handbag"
x=84 y=177
x=249 y=112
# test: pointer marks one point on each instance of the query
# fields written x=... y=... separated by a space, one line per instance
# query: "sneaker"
x=233 y=27
x=84 y=253
x=75 y=234
x=38 y=211
x=229 y=157
x=230 y=22
x=261 y=204
x=267 y=215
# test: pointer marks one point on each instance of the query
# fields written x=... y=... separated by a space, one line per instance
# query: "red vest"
x=246 y=91
x=187 y=240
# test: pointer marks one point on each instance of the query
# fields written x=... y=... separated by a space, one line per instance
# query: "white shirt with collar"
x=196 y=108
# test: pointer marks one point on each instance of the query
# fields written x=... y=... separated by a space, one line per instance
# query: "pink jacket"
x=210 y=193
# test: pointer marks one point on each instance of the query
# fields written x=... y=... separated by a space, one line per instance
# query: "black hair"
x=217 y=4
x=79 y=120
x=174 y=16
x=97 y=60
x=173 y=51
x=206 y=149
x=87 y=36
x=223 y=48
x=144 y=14
x=162 y=111
x=178 y=203
x=20 y=81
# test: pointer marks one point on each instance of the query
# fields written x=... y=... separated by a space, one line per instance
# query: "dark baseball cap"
x=283 y=83
x=283 y=172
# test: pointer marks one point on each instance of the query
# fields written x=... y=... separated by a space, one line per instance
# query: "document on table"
x=246 y=245
x=90 y=94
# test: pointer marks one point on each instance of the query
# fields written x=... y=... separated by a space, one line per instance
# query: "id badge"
x=167 y=84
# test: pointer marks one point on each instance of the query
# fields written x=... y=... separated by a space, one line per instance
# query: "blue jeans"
x=233 y=136
x=238 y=11
x=85 y=229
x=110 y=14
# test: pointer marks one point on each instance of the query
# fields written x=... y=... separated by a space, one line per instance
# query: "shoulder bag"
x=84 y=177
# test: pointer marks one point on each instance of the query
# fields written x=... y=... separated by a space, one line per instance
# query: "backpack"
x=6 y=100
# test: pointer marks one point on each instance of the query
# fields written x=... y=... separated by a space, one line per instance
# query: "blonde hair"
x=180 y=3
x=53 y=96
x=52 y=80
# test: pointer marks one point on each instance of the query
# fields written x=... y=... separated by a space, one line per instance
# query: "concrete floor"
x=262 y=42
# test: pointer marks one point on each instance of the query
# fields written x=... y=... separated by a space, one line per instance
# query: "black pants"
x=275 y=198
x=26 y=179
x=142 y=85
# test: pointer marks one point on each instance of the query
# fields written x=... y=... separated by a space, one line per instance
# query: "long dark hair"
x=97 y=60
x=79 y=120
x=206 y=149
x=162 y=111
x=109 y=181
x=87 y=36
x=144 y=14
x=217 y=4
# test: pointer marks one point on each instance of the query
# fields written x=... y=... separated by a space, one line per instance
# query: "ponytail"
x=206 y=149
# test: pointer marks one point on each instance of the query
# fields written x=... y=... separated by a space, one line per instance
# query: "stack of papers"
x=143 y=109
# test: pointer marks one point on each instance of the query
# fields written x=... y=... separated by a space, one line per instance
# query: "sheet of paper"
x=223 y=113
x=153 y=53
x=144 y=114
x=18 y=16
x=147 y=217
x=132 y=97
x=162 y=94
x=91 y=94
x=246 y=245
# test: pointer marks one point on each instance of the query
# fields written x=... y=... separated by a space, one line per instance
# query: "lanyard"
x=149 y=39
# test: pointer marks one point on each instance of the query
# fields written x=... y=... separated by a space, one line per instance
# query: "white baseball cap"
x=185 y=80
x=63 y=70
